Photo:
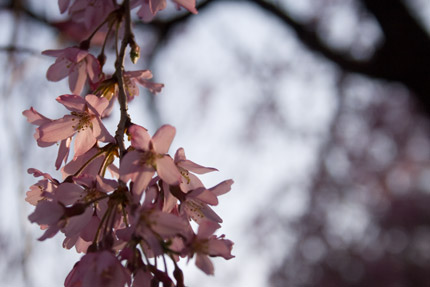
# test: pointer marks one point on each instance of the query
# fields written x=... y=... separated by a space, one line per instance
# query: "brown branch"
x=119 y=75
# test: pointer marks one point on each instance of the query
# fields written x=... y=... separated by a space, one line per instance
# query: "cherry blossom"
x=149 y=156
x=79 y=65
x=129 y=218
x=149 y=8
x=84 y=121
x=90 y=12
x=98 y=269
x=205 y=244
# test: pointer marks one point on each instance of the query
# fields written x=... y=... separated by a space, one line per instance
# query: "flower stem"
x=119 y=75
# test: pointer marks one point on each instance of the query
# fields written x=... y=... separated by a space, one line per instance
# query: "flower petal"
x=163 y=138
x=140 y=138
x=204 y=263
x=84 y=141
x=73 y=103
x=58 y=129
x=168 y=171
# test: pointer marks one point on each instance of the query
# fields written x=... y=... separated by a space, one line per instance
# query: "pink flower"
x=149 y=8
x=49 y=215
x=205 y=244
x=91 y=163
x=42 y=189
x=197 y=201
x=77 y=64
x=100 y=268
x=84 y=121
x=132 y=78
x=185 y=166
x=139 y=165
x=91 y=12
x=35 y=118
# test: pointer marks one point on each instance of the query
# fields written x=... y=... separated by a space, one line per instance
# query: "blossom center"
x=84 y=121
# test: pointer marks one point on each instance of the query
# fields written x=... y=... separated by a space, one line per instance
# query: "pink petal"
x=100 y=132
x=140 y=74
x=222 y=187
x=190 y=5
x=93 y=68
x=151 y=86
x=63 y=152
x=180 y=155
x=204 y=263
x=47 y=212
x=220 y=247
x=98 y=104
x=166 y=224
x=163 y=138
x=77 y=78
x=129 y=166
x=142 y=179
x=68 y=193
x=59 y=70
x=74 y=54
x=63 y=5
x=207 y=228
x=196 y=168
x=50 y=232
x=140 y=138
x=73 y=103
x=84 y=141
x=53 y=53
x=157 y=5
x=57 y=130
x=93 y=168
x=77 y=223
x=145 y=12
x=204 y=195
x=168 y=171
x=33 y=117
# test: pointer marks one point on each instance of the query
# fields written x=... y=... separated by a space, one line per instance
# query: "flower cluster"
x=124 y=207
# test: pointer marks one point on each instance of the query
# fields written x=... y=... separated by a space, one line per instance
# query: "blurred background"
x=318 y=109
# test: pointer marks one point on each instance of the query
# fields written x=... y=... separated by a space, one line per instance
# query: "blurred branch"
x=15 y=49
x=403 y=57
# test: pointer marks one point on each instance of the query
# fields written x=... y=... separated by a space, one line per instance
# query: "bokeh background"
x=318 y=109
